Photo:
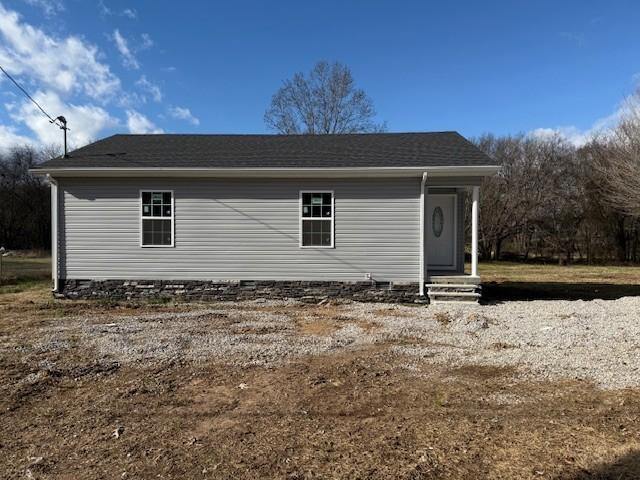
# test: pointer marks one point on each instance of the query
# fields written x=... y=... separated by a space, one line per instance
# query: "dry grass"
x=443 y=318
x=23 y=266
x=541 y=273
x=353 y=414
x=530 y=281
x=318 y=326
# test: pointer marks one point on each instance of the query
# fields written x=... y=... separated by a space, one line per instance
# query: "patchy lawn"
x=541 y=273
x=284 y=390
x=531 y=281
x=24 y=270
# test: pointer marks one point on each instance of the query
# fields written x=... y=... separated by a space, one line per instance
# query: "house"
x=369 y=216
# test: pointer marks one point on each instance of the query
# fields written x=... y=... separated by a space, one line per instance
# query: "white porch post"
x=54 y=233
x=423 y=253
x=474 y=231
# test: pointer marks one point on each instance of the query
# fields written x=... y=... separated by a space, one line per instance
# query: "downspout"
x=54 y=231
x=422 y=245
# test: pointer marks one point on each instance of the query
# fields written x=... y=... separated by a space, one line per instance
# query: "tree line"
x=25 y=213
x=552 y=200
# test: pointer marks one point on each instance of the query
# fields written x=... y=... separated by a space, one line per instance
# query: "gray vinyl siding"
x=240 y=229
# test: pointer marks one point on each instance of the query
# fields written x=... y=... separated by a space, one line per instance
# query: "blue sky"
x=212 y=67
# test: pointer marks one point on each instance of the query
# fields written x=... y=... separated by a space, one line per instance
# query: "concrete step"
x=453 y=294
x=451 y=301
x=465 y=286
x=453 y=289
x=453 y=279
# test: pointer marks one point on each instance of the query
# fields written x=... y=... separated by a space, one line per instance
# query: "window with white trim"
x=157 y=218
x=316 y=219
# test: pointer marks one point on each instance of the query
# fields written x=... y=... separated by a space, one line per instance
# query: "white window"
x=156 y=222
x=316 y=219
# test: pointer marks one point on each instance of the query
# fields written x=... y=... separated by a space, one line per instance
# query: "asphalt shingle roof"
x=273 y=151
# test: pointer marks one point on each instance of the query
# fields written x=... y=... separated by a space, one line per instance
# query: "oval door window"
x=437 y=221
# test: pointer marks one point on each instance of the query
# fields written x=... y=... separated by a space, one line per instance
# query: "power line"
x=51 y=119
x=62 y=121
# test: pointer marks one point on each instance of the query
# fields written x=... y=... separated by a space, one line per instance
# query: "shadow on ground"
x=495 y=292
x=626 y=467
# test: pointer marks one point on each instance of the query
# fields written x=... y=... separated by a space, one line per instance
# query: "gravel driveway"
x=591 y=340
x=594 y=340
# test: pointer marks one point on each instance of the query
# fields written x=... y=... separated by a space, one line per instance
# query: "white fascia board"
x=484 y=170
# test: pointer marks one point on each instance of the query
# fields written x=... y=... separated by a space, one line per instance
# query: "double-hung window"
x=156 y=218
x=316 y=219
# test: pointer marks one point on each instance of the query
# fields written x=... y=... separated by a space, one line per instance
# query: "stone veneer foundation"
x=307 y=291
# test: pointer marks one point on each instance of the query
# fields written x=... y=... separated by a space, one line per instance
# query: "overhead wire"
x=51 y=119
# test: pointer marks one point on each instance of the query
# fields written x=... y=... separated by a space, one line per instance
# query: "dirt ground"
x=70 y=409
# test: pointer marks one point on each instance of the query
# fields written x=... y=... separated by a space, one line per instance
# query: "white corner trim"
x=423 y=259
x=474 y=230
x=54 y=232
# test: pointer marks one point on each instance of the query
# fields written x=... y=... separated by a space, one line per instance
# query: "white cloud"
x=130 y=13
x=146 y=41
x=149 y=87
x=68 y=76
x=9 y=138
x=105 y=11
x=128 y=58
x=138 y=123
x=184 y=114
x=579 y=137
x=48 y=7
x=127 y=52
x=67 y=65
x=60 y=68
x=85 y=121
x=571 y=134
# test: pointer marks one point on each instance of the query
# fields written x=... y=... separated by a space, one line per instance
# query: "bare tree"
x=510 y=200
x=535 y=202
x=326 y=101
x=25 y=214
x=618 y=160
x=560 y=212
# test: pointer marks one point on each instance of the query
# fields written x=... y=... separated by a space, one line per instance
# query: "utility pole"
x=64 y=128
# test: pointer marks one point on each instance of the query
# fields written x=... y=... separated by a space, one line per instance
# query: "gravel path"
x=595 y=340
x=592 y=340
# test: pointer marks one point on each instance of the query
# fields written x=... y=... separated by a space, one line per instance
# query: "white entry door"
x=440 y=223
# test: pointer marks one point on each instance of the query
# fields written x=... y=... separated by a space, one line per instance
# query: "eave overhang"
x=346 y=172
